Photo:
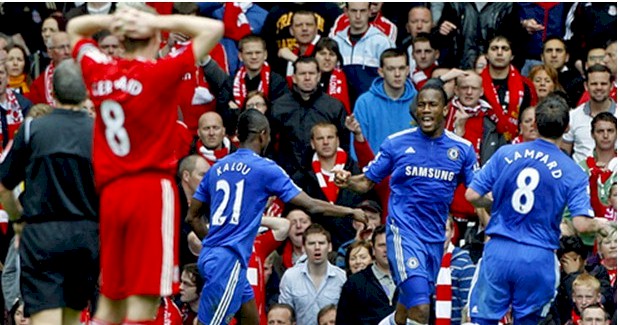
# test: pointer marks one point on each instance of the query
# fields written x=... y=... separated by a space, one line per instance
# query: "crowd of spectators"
x=334 y=80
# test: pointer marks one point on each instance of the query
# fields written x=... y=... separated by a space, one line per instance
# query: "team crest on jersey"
x=412 y=262
x=452 y=153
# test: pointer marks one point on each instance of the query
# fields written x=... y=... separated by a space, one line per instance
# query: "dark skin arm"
x=194 y=219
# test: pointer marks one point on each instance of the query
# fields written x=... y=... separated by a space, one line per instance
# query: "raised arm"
x=137 y=24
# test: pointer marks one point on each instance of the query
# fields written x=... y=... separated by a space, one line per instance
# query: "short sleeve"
x=483 y=180
x=578 y=198
x=471 y=166
x=280 y=184
x=201 y=193
x=382 y=165
x=175 y=65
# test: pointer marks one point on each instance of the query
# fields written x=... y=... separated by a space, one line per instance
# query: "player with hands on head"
x=133 y=161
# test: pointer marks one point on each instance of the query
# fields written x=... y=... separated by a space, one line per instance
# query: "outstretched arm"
x=357 y=183
x=314 y=206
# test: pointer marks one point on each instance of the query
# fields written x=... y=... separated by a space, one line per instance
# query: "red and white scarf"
x=213 y=155
x=444 y=290
x=240 y=84
x=296 y=50
x=49 y=85
x=506 y=122
x=474 y=125
x=14 y=116
x=326 y=179
x=235 y=20
x=420 y=76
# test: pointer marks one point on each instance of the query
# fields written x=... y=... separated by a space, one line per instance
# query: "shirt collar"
x=378 y=273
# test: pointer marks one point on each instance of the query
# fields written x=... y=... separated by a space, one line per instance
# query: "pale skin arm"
x=588 y=225
x=132 y=23
x=478 y=200
x=12 y=208
x=286 y=53
x=354 y=126
x=279 y=226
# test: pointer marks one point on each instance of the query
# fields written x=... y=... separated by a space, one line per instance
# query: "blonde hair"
x=587 y=280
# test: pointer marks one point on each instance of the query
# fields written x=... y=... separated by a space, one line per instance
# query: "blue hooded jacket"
x=380 y=115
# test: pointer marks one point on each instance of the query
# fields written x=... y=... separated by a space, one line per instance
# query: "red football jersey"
x=136 y=107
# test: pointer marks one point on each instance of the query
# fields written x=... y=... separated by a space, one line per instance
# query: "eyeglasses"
x=256 y=105
x=61 y=47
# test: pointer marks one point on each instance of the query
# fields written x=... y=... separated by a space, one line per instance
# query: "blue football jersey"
x=237 y=188
x=424 y=174
x=531 y=183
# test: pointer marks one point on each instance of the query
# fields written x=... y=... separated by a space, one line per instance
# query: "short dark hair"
x=381 y=229
x=325 y=310
x=306 y=59
x=185 y=8
x=284 y=306
x=316 y=228
x=393 y=53
x=552 y=116
x=250 y=122
x=69 y=87
x=425 y=37
x=305 y=13
x=571 y=244
x=193 y=271
x=598 y=68
x=499 y=37
x=521 y=116
x=432 y=83
x=603 y=116
x=556 y=38
x=249 y=39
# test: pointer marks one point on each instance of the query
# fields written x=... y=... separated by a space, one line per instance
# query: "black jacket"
x=292 y=119
x=341 y=229
x=363 y=301
x=277 y=88
x=475 y=29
